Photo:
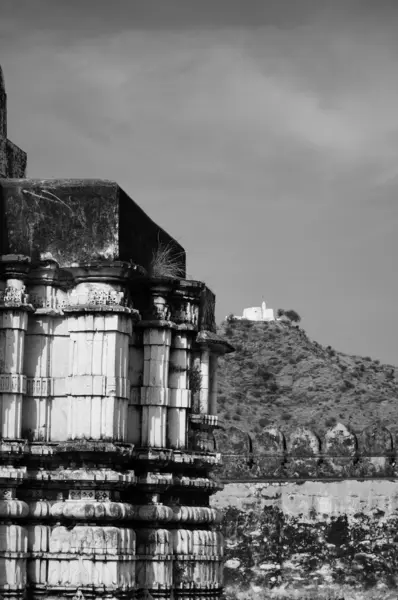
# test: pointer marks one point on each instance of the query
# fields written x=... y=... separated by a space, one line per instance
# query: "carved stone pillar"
x=213 y=384
x=204 y=386
x=46 y=360
x=98 y=388
x=14 y=309
x=13 y=325
x=155 y=393
x=179 y=394
x=135 y=375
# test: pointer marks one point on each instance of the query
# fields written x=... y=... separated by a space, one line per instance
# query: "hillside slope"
x=277 y=375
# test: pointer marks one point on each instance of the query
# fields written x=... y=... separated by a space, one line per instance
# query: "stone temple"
x=108 y=398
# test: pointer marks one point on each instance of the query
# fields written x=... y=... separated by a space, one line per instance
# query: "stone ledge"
x=12 y=384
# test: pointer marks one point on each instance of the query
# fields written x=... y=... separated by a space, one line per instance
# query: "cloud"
x=266 y=143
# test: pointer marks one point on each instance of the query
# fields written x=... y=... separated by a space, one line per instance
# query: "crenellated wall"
x=310 y=513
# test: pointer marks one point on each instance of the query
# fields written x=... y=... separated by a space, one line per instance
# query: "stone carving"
x=13 y=296
x=97 y=297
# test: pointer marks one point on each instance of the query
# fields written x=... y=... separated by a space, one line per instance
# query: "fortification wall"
x=310 y=514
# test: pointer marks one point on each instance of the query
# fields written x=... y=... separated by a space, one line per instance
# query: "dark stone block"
x=78 y=221
x=16 y=161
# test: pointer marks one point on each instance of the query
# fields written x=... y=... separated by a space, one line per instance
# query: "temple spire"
x=12 y=158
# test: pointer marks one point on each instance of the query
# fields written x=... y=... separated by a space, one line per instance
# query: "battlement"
x=340 y=454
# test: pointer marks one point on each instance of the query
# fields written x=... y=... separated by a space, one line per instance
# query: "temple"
x=108 y=388
x=257 y=313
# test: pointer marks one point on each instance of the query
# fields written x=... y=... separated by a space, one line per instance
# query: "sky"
x=261 y=134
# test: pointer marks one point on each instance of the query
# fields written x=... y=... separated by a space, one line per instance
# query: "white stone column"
x=179 y=394
x=46 y=367
x=213 y=384
x=135 y=375
x=204 y=388
x=155 y=393
x=98 y=387
x=13 y=325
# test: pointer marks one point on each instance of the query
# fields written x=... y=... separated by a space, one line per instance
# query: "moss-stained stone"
x=78 y=221
x=304 y=447
x=318 y=537
x=269 y=449
x=237 y=451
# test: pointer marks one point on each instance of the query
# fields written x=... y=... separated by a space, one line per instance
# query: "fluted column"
x=155 y=393
x=13 y=326
x=213 y=384
x=204 y=386
x=98 y=388
x=135 y=375
x=179 y=394
x=46 y=357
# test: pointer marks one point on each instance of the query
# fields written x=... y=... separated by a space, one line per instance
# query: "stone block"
x=78 y=221
x=16 y=161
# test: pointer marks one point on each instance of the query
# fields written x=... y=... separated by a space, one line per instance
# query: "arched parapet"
x=269 y=453
x=340 y=451
x=376 y=451
x=303 y=450
x=201 y=440
x=237 y=451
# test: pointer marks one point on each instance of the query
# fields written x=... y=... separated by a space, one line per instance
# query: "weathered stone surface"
x=340 y=450
x=303 y=453
x=376 y=451
x=12 y=158
x=332 y=539
x=236 y=447
x=269 y=453
x=78 y=222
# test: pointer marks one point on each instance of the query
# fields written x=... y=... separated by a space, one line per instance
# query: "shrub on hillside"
x=292 y=315
x=286 y=416
x=263 y=373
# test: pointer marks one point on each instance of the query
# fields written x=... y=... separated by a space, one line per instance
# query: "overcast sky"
x=263 y=135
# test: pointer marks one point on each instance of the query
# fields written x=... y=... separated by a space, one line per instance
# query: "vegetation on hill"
x=278 y=376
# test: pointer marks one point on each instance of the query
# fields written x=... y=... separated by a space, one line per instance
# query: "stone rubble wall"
x=309 y=514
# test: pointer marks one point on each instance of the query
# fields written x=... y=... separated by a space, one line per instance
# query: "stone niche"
x=108 y=402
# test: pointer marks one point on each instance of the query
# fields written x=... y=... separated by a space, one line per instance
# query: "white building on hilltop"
x=258 y=313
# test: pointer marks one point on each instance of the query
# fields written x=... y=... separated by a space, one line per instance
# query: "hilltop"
x=277 y=375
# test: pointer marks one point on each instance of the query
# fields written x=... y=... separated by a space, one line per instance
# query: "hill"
x=278 y=376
